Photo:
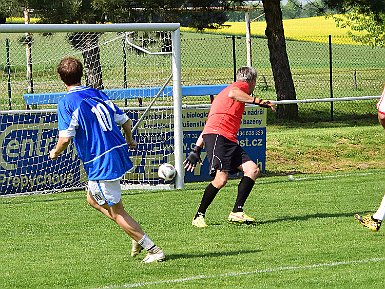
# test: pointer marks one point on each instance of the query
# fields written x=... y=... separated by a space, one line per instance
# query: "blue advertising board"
x=25 y=142
x=26 y=139
x=251 y=136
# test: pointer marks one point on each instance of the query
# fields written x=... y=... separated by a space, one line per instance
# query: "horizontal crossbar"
x=127 y=93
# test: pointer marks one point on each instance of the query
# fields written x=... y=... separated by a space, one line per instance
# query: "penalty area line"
x=254 y=272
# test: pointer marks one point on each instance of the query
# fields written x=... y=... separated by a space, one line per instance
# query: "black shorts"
x=223 y=154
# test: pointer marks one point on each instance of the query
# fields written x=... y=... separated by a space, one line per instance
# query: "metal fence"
x=321 y=68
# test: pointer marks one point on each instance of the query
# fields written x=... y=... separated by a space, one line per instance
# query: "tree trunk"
x=283 y=80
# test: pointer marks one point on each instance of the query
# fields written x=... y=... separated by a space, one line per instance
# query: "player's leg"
x=107 y=196
x=211 y=190
x=125 y=221
x=104 y=209
x=250 y=174
x=91 y=201
x=380 y=214
x=136 y=248
x=209 y=194
x=373 y=222
x=214 y=145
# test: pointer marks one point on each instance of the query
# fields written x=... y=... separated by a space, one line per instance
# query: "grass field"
x=306 y=236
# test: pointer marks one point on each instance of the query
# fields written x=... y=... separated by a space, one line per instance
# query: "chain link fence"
x=321 y=68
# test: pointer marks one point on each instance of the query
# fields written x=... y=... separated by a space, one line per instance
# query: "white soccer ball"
x=166 y=172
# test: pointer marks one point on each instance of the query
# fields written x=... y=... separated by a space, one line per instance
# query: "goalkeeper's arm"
x=241 y=96
x=194 y=156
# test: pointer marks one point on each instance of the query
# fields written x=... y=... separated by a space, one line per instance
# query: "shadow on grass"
x=211 y=254
x=311 y=216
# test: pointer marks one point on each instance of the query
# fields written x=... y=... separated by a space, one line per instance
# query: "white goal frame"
x=173 y=28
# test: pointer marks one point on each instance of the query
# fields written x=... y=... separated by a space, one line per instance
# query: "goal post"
x=137 y=65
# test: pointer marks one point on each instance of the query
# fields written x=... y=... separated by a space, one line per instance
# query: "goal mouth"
x=138 y=67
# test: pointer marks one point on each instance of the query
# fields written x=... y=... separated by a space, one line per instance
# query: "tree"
x=315 y=8
x=6 y=7
x=364 y=16
x=292 y=9
x=279 y=61
x=99 y=11
x=207 y=16
x=364 y=6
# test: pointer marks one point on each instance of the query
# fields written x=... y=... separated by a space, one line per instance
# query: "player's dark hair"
x=247 y=74
x=70 y=70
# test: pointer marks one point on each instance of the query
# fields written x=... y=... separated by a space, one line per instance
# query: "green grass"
x=324 y=146
x=305 y=228
x=306 y=236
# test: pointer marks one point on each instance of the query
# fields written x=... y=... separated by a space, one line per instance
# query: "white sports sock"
x=380 y=214
x=146 y=243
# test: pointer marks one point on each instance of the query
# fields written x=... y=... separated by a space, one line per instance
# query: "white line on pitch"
x=236 y=274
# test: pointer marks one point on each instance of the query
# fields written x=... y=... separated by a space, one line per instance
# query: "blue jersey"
x=87 y=115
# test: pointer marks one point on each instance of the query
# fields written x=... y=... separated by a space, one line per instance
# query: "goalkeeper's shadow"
x=308 y=217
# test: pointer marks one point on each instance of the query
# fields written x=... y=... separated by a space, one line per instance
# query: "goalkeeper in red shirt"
x=225 y=155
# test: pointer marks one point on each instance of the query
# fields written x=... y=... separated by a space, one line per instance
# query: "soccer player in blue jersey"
x=87 y=116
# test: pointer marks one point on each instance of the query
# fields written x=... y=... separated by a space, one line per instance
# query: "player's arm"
x=128 y=134
x=61 y=145
x=194 y=156
x=241 y=96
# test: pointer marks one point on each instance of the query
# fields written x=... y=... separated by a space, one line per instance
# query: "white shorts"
x=105 y=192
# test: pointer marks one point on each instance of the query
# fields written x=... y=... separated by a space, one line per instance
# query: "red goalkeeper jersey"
x=225 y=114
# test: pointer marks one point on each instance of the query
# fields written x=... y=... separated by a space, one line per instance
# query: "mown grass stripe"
x=235 y=274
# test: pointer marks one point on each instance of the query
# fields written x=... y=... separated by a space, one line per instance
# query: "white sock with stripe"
x=147 y=244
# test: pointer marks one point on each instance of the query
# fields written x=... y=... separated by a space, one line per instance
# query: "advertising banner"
x=251 y=136
x=25 y=142
x=27 y=138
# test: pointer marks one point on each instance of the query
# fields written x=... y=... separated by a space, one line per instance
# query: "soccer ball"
x=166 y=172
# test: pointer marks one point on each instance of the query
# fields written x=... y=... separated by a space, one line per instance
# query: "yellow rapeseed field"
x=316 y=29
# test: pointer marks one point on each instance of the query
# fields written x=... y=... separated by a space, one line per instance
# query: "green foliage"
x=292 y=9
x=363 y=6
x=296 y=9
x=369 y=26
x=101 y=11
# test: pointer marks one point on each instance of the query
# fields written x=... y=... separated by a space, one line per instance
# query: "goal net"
x=136 y=65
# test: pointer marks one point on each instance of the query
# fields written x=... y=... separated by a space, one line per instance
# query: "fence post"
x=8 y=74
x=248 y=38
x=124 y=68
x=234 y=58
x=331 y=77
x=28 y=54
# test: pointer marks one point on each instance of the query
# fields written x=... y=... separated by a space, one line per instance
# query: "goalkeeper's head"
x=249 y=75
x=70 y=70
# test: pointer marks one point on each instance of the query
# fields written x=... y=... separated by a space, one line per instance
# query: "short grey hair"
x=247 y=74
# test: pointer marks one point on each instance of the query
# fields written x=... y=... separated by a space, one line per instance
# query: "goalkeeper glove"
x=263 y=103
x=193 y=158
